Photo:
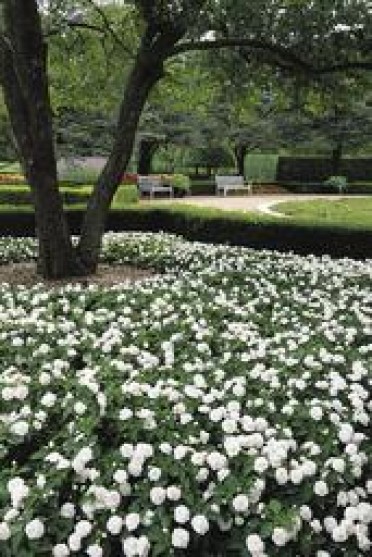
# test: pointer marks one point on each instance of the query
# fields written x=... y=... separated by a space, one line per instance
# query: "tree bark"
x=336 y=159
x=23 y=75
x=240 y=152
x=146 y=151
x=147 y=71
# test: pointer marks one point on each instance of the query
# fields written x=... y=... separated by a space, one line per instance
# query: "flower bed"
x=220 y=408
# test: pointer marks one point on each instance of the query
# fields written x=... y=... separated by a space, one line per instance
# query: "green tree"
x=299 y=37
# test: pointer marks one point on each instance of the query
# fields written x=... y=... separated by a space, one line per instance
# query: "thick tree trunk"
x=23 y=74
x=147 y=71
x=336 y=159
x=146 y=151
x=240 y=152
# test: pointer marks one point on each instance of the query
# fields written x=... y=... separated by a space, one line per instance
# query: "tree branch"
x=283 y=56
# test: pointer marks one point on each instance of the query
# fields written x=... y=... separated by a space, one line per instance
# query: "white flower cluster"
x=224 y=402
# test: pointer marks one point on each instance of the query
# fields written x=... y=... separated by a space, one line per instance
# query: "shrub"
x=125 y=194
x=336 y=183
x=179 y=182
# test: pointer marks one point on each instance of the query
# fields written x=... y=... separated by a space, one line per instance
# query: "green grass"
x=348 y=213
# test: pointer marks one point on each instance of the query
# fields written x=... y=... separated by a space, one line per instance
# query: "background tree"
x=297 y=37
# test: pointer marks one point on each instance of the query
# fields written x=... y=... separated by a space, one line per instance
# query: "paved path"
x=255 y=203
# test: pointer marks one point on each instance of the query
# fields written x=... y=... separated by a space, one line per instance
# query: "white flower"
x=130 y=546
x=94 y=550
x=320 y=488
x=35 y=529
x=132 y=521
x=316 y=413
x=255 y=545
x=180 y=538
x=157 y=495
x=346 y=433
x=114 y=525
x=216 y=460
x=18 y=490
x=281 y=476
x=60 y=550
x=83 y=528
x=20 y=428
x=260 y=464
x=120 y=476
x=339 y=534
x=181 y=514
x=280 y=536
x=48 y=400
x=200 y=524
x=67 y=510
x=143 y=546
x=173 y=493
x=5 y=532
x=74 y=542
x=240 y=503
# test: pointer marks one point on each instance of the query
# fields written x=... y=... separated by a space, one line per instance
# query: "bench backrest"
x=146 y=183
x=237 y=180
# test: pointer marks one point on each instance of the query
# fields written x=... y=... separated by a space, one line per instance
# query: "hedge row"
x=356 y=188
x=21 y=195
x=318 y=169
x=213 y=226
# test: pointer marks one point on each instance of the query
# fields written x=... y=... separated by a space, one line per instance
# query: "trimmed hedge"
x=73 y=195
x=317 y=169
x=213 y=226
x=355 y=188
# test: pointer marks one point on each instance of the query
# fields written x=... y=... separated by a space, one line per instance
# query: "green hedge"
x=318 y=169
x=71 y=195
x=216 y=226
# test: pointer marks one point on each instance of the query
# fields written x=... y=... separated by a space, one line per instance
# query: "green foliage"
x=211 y=157
x=261 y=168
x=338 y=183
x=179 y=182
x=125 y=194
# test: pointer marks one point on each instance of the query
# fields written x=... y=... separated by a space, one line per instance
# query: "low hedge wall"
x=71 y=195
x=213 y=226
x=355 y=188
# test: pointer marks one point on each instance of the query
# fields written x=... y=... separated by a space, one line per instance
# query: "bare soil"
x=107 y=275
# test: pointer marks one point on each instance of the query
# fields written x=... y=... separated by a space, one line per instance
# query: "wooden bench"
x=153 y=184
x=226 y=183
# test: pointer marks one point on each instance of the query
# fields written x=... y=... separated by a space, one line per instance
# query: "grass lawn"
x=353 y=213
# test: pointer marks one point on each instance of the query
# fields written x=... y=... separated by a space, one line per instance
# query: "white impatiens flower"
x=18 y=490
x=132 y=521
x=255 y=545
x=174 y=493
x=181 y=514
x=200 y=524
x=94 y=550
x=68 y=510
x=157 y=495
x=180 y=538
x=114 y=525
x=35 y=529
x=20 y=428
x=240 y=503
x=320 y=488
x=5 y=531
x=60 y=550
x=280 y=536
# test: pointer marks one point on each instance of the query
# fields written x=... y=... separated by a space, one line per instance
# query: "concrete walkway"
x=251 y=203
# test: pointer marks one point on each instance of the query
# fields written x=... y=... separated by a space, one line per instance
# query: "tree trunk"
x=146 y=151
x=240 y=152
x=147 y=71
x=336 y=159
x=23 y=74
